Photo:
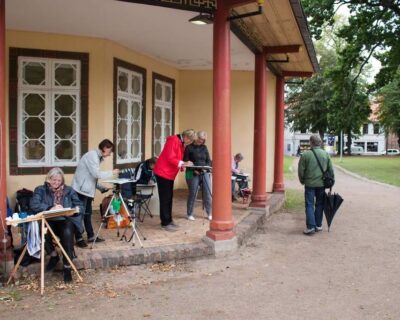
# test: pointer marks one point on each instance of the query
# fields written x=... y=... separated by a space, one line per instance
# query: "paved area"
x=350 y=273
x=161 y=245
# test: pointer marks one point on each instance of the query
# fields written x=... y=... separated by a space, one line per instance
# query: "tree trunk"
x=348 y=143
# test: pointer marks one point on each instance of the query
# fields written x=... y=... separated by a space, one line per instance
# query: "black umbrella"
x=331 y=205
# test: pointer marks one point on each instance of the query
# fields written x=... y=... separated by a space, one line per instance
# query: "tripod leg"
x=97 y=235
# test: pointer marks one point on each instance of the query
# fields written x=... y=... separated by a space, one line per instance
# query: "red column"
x=279 y=135
x=221 y=226
x=259 y=195
x=5 y=250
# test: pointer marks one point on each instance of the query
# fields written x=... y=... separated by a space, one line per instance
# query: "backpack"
x=23 y=199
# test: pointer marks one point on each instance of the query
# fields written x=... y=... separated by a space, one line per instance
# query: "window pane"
x=34 y=104
x=158 y=91
x=65 y=105
x=167 y=116
x=122 y=129
x=136 y=111
x=123 y=108
x=157 y=148
x=168 y=94
x=65 y=75
x=65 y=128
x=365 y=129
x=157 y=115
x=34 y=73
x=34 y=150
x=65 y=150
x=136 y=87
x=123 y=81
x=34 y=128
x=135 y=149
x=167 y=131
x=122 y=149
x=157 y=131
x=135 y=130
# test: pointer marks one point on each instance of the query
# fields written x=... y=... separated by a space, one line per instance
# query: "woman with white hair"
x=52 y=195
x=197 y=152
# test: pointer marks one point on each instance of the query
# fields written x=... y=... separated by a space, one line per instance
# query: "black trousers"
x=64 y=229
x=165 y=194
x=86 y=212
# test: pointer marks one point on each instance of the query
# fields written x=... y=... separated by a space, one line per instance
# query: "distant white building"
x=372 y=140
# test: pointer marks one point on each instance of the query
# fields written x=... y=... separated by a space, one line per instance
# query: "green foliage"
x=389 y=112
x=373 y=29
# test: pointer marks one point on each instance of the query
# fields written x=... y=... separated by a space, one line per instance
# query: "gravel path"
x=351 y=272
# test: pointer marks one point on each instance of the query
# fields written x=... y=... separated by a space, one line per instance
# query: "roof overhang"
x=155 y=29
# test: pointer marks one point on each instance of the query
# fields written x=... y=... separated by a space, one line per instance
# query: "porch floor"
x=161 y=245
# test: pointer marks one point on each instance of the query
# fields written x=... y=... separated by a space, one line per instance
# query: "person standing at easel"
x=197 y=152
x=85 y=183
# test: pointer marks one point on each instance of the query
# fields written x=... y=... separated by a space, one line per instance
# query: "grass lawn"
x=294 y=201
x=287 y=164
x=380 y=168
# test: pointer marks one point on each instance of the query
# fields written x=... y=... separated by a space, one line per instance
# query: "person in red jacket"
x=167 y=167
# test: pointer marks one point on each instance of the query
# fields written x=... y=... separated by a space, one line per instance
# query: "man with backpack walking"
x=314 y=164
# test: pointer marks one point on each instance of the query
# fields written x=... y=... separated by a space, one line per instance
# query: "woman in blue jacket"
x=52 y=195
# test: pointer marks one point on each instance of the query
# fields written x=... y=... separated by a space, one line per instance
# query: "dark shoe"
x=67 y=275
x=81 y=243
x=169 y=228
x=52 y=263
x=97 y=240
x=174 y=225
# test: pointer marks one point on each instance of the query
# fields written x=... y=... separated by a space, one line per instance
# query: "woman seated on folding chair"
x=142 y=174
x=197 y=152
x=54 y=194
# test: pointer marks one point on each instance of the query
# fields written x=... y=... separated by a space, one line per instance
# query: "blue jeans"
x=314 y=203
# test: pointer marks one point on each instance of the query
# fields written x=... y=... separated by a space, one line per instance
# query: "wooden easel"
x=42 y=217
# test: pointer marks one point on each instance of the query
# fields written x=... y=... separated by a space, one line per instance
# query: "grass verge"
x=378 y=168
x=294 y=201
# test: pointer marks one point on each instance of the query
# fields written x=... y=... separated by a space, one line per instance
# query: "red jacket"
x=168 y=161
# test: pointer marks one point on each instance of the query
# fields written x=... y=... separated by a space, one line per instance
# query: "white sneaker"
x=318 y=229
x=308 y=231
x=191 y=218
x=210 y=217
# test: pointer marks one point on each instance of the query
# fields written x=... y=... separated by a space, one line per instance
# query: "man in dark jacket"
x=310 y=175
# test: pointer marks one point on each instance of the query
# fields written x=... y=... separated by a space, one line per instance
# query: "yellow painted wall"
x=193 y=100
x=101 y=55
x=196 y=101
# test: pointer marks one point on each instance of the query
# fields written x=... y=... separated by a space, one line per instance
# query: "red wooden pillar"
x=5 y=249
x=259 y=195
x=279 y=135
x=221 y=226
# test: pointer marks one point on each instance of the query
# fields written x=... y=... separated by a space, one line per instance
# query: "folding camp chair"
x=142 y=198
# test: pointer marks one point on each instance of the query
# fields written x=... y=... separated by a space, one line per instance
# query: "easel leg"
x=63 y=251
x=14 y=270
x=42 y=260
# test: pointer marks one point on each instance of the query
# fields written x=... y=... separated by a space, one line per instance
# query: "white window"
x=129 y=116
x=163 y=114
x=48 y=112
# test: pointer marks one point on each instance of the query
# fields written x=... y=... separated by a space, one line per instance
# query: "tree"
x=389 y=110
x=308 y=108
x=373 y=29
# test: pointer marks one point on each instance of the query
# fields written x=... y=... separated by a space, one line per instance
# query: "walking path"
x=350 y=273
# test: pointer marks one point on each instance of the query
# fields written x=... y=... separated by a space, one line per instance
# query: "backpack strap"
x=319 y=163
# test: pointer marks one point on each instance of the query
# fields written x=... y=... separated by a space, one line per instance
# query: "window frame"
x=15 y=79
x=118 y=63
x=171 y=82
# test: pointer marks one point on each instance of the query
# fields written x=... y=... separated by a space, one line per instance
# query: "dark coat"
x=43 y=199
